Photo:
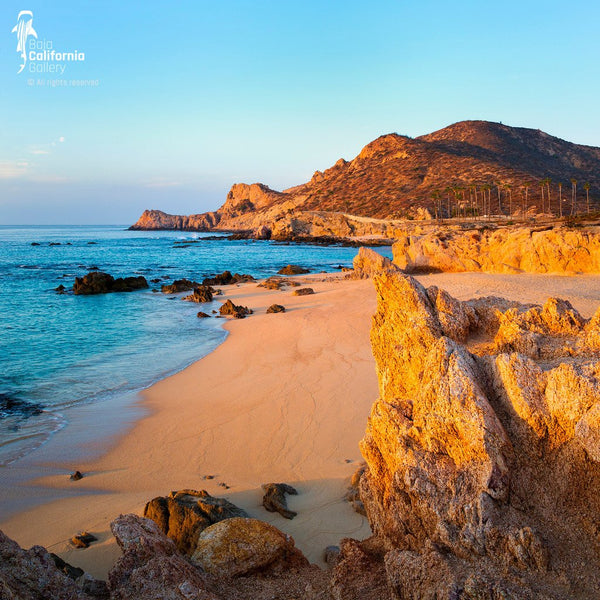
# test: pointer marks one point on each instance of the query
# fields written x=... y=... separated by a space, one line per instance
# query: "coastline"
x=285 y=398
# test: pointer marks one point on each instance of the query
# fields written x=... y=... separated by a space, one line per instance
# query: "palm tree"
x=498 y=186
x=560 y=199
x=508 y=188
x=526 y=187
x=436 y=203
x=448 y=191
x=542 y=183
x=586 y=187
x=548 y=182
x=573 y=196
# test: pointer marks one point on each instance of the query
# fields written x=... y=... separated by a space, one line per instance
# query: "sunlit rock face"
x=483 y=477
x=505 y=250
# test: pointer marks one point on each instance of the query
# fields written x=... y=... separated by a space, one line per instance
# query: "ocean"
x=60 y=351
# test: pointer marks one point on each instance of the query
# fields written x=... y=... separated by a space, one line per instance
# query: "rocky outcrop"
x=32 y=574
x=304 y=291
x=97 y=282
x=472 y=447
x=157 y=219
x=505 y=250
x=184 y=514
x=239 y=546
x=275 y=308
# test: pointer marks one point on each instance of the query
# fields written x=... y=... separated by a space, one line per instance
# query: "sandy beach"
x=285 y=398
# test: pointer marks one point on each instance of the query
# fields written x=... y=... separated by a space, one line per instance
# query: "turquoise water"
x=61 y=350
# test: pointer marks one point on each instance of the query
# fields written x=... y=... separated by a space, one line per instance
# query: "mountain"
x=473 y=167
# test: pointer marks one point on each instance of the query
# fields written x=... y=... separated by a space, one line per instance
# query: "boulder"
x=202 y=315
x=238 y=546
x=184 y=514
x=234 y=310
x=201 y=294
x=304 y=292
x=97 y=282
x=274 y=499
x=292 y=270
x=275 y=308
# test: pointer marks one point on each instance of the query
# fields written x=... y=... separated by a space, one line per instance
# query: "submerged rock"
x=274 y=499
x=97 y=282
x=226 y=278
x=184 y=514
x=179 y=285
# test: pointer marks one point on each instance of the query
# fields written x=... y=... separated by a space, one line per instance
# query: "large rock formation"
x=483 y=478
x=504 y=250
x=97 y=282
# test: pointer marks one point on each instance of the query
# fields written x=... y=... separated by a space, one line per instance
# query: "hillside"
x=469 y=168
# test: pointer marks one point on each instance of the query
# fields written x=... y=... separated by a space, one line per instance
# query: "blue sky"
x=195 y=96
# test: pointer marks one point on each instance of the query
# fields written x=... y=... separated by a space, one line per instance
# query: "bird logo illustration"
x=23 y=29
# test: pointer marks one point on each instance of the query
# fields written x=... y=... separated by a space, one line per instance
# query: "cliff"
x=483 y=476
x=469 y=168
x=505 y=250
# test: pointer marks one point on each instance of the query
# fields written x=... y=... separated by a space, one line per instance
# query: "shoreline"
x=284 y=398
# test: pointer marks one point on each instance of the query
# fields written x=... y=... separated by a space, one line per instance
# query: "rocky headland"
x=481 y=478
x=469 y=170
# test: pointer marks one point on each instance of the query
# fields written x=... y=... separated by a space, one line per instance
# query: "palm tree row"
x=475 y=200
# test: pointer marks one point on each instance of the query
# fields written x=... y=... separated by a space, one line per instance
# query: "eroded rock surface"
x=97 y=282
x=274 y=499
x=503 y=250
x=368 y=263
x=483 y=478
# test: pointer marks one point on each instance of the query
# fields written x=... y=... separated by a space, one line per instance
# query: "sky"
x=176 y=101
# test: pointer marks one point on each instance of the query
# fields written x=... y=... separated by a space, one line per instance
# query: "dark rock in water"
x=98 y=282
x=179 y=285
x=237 y=311
x=90 y=243
x=151 y=568
x=303 y=292
x=83 y=539
x=32 y=575
x=274 y=499
x=276 y=308
x=155 y=280
x=54 y=244
x=93 y=268
x=69 y=570
x=60 y=289
x=293 y=270
x=35 y=243
x=226 y=278
x=76 y=476
x=15 y=406
x=200 y=294
x=203 y=315
x=183 y=515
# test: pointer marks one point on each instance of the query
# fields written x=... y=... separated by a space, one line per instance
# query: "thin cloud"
x=11 y=169
x=162 y=183
x=38 y=151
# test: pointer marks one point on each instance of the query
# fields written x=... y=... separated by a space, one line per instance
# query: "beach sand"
x=284 y=399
